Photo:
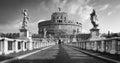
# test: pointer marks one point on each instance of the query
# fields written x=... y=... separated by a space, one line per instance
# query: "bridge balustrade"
x=8 y=46
x=109 y=45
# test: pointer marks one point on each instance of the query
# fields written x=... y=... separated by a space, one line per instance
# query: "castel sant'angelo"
x=59 y=24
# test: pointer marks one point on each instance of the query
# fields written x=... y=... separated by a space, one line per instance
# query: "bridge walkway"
x=60 y=54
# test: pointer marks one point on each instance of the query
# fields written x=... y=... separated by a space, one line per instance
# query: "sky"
x=108 y=13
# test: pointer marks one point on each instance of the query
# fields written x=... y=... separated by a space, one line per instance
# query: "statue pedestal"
x=74 y=40
x=44 y=40
x=94 y=34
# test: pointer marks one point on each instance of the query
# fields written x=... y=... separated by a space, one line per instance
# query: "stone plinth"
x=94 y=34
x=74 y=40
x=44 y=40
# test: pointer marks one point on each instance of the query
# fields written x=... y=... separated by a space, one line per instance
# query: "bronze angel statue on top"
x=93 y=18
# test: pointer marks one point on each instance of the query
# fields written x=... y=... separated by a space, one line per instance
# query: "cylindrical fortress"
x=59 y=24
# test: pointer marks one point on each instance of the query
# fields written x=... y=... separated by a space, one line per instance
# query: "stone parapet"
x=94 y=34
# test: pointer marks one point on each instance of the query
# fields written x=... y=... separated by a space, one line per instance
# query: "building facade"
x=59 y=24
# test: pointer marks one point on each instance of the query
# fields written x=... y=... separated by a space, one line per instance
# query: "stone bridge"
x=95 y=51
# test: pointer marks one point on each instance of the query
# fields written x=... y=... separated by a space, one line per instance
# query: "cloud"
x=11 y=28
x=104 y=7
x=33 y=27
x=85 y=12
x=109 y=13
x=79 y=8
x=118 y=6
x=39 y=9
x=12 y=9
x=75 y=8
x=52 y=4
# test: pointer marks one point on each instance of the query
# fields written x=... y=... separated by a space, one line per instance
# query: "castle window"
x=19 y=45
x=77 y=22
x=53 y=17
x=65 y=18
x=61 y=17
x=65 y=21
x=10 y=45
x=58 y=17
x=60 y=21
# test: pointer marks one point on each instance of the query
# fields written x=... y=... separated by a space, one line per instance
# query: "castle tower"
x=24 y=29
x=59 y=17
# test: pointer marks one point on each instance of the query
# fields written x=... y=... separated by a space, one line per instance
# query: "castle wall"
x=60 y=28
x=59 y=23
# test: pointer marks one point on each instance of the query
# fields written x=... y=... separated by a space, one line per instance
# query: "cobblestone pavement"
x=60 y=54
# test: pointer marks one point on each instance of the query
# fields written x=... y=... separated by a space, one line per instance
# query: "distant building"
x=59 y=25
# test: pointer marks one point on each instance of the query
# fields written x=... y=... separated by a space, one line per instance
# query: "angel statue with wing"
x=93 y=18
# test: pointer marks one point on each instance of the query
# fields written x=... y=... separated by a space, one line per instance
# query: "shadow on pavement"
x=4 y=57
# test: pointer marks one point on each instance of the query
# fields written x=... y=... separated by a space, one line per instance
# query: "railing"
x=8 y=46
x=109 y=45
